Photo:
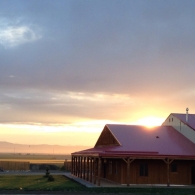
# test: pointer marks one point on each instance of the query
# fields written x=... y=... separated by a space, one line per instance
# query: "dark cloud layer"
x=137 y=48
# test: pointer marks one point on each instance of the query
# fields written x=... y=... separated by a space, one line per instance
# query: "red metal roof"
x=143 y=141
x=182 y=117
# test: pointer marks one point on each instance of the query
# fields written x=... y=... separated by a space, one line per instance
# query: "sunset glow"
x=150 y=121
x=67 y=68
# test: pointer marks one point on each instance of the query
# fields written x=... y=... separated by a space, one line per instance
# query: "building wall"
x=111 y=169
x=180 y=127
x=157 y=172
x=183 y=174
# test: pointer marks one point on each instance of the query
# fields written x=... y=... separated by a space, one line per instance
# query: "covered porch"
x=94 y=168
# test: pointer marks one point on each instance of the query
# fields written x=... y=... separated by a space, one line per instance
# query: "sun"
x=150 y=121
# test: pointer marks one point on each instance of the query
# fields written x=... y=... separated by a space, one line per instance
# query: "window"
x=143 y=170
x=173 y=167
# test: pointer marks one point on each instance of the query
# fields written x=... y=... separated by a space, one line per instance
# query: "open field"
x=11 y=161
x=10 y=156
x=35 y=161
x=35 y=158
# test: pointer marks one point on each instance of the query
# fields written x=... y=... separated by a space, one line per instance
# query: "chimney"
x=187 y=114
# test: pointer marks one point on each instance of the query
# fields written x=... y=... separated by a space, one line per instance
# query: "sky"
x=68 y=67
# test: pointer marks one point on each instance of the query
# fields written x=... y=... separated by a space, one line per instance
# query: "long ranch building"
x=131 y=154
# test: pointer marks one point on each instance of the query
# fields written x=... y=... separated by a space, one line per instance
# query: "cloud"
x=97 y=59
x=53 y=107
x=75 y=65
x=13 y=34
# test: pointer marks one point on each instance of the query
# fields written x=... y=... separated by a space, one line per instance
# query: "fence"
x=67 y=165
x=14 y=166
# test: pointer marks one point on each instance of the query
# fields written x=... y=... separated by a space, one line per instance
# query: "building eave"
x=135 y=156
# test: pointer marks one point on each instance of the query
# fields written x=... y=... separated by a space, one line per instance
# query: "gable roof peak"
x=190 y=119
x=107 y=138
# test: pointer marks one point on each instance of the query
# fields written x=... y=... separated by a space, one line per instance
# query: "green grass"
x=61 y=183
x=35 y=182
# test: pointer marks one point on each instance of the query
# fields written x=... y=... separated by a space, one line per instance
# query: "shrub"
x=47 y=172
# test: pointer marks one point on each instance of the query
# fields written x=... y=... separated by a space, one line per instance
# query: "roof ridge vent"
x=187 y=114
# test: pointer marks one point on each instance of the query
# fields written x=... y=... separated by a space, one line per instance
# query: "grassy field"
x=34 y=182
x=61 y=183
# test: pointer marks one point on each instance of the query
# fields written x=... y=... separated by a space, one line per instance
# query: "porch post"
x=76 y=166
x=81 y=165
x=72 y=163
x=87 y=169
x=73 y=167
x=128 y=171
x=128 y=161
x=78 y=158
x=91 y=169
x=99 y=170
x=84 y=167
x=94 y=171
x=168 y=174
x=168 y=162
